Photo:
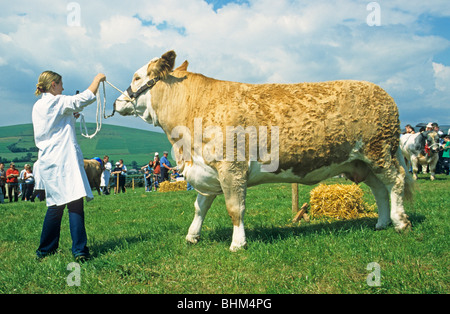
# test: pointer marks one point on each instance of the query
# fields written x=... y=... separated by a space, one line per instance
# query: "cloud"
x=254 y=41
x=442 y=75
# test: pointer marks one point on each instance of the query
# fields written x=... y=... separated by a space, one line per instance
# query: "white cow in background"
x=421 y=149
x=317 y=130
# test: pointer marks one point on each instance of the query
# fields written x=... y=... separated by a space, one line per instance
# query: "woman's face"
x=57 y=88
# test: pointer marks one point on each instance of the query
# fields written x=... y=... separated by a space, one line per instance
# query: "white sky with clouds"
x=252 y=41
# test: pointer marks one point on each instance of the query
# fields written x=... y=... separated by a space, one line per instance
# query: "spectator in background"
x=118 y=171
x=21 y=181
x=28 y=183
x=106 y=174
x=124 y=168
x=2 y=197
x=440 y=164
x=446 y=154
x=156 y=170
x=12 y=179
x=2 y=178
x=124 y=175
x=165 y=167
x=435 y=128
x=409 y=129
x=148 y=172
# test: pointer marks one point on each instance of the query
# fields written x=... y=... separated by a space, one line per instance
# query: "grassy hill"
x=115 y=141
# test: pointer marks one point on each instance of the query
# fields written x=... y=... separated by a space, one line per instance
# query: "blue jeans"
x=52 y=227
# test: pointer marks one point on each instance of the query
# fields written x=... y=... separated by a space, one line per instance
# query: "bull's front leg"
x=433 y=164
x=202 y=205
x=415 y=166
x=235 y=202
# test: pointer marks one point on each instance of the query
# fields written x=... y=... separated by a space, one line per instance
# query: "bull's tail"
x=409 y=182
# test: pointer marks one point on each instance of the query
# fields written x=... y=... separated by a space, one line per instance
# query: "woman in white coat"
x=60 y=169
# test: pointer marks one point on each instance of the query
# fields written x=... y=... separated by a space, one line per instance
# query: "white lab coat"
x=60 y=167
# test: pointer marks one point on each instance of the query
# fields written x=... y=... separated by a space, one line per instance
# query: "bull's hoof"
x=192 y=239
x=236 y=247
x=432 y=178
x=404 y=226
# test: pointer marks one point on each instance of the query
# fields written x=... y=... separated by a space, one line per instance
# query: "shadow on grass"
x=263 y=233
x=271 y=234
x=116 y=244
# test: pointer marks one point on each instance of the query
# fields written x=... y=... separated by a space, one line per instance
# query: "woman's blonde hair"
x=45 y=82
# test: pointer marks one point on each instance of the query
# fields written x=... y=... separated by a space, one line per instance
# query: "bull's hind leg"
x=397 y=182
x=381 y=195
x=202 y=205
x=397 y=191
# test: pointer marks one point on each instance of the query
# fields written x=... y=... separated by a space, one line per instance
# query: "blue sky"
x=254 y=41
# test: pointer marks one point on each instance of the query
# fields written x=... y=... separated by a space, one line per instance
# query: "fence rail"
x=130 y=181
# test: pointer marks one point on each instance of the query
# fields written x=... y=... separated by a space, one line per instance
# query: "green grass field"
x=138 y=246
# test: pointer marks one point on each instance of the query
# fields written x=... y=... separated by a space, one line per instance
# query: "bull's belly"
x=205 y=179
x=256 y=176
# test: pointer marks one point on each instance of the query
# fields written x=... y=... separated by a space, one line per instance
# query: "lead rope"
x=98 y=118
x=100 y=109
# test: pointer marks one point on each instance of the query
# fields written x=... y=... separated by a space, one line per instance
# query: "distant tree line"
x=27 y=158
x=14 y=149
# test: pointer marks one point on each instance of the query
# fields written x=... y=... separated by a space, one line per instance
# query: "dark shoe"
x=82 y=258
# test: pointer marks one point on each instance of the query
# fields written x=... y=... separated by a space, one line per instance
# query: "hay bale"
x=167 y=186
x=339 y=201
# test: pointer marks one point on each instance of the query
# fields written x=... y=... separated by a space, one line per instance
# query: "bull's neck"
x=172 y=101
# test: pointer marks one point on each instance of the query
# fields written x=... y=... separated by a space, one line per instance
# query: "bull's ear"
x=163 y=66
x=170 y=56
x=183 y=67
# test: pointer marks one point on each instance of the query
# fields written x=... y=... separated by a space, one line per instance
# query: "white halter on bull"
x=100 y=107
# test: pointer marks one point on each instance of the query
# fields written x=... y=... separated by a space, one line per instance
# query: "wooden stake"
x=294 y=198
x=302 y=214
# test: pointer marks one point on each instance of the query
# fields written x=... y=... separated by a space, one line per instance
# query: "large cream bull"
x=315 y=131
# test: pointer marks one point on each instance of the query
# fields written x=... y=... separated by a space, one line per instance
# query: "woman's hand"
x=96 y=82
x=100 y=77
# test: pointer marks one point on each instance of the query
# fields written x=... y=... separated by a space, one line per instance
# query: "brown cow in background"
x=94 y=169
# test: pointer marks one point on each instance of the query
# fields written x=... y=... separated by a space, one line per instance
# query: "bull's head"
x=433 y=141
x=137 y=98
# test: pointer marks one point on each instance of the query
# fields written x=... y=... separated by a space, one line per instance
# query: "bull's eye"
x=136 y=78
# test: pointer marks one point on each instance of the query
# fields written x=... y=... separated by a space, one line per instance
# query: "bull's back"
x=323 y=123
